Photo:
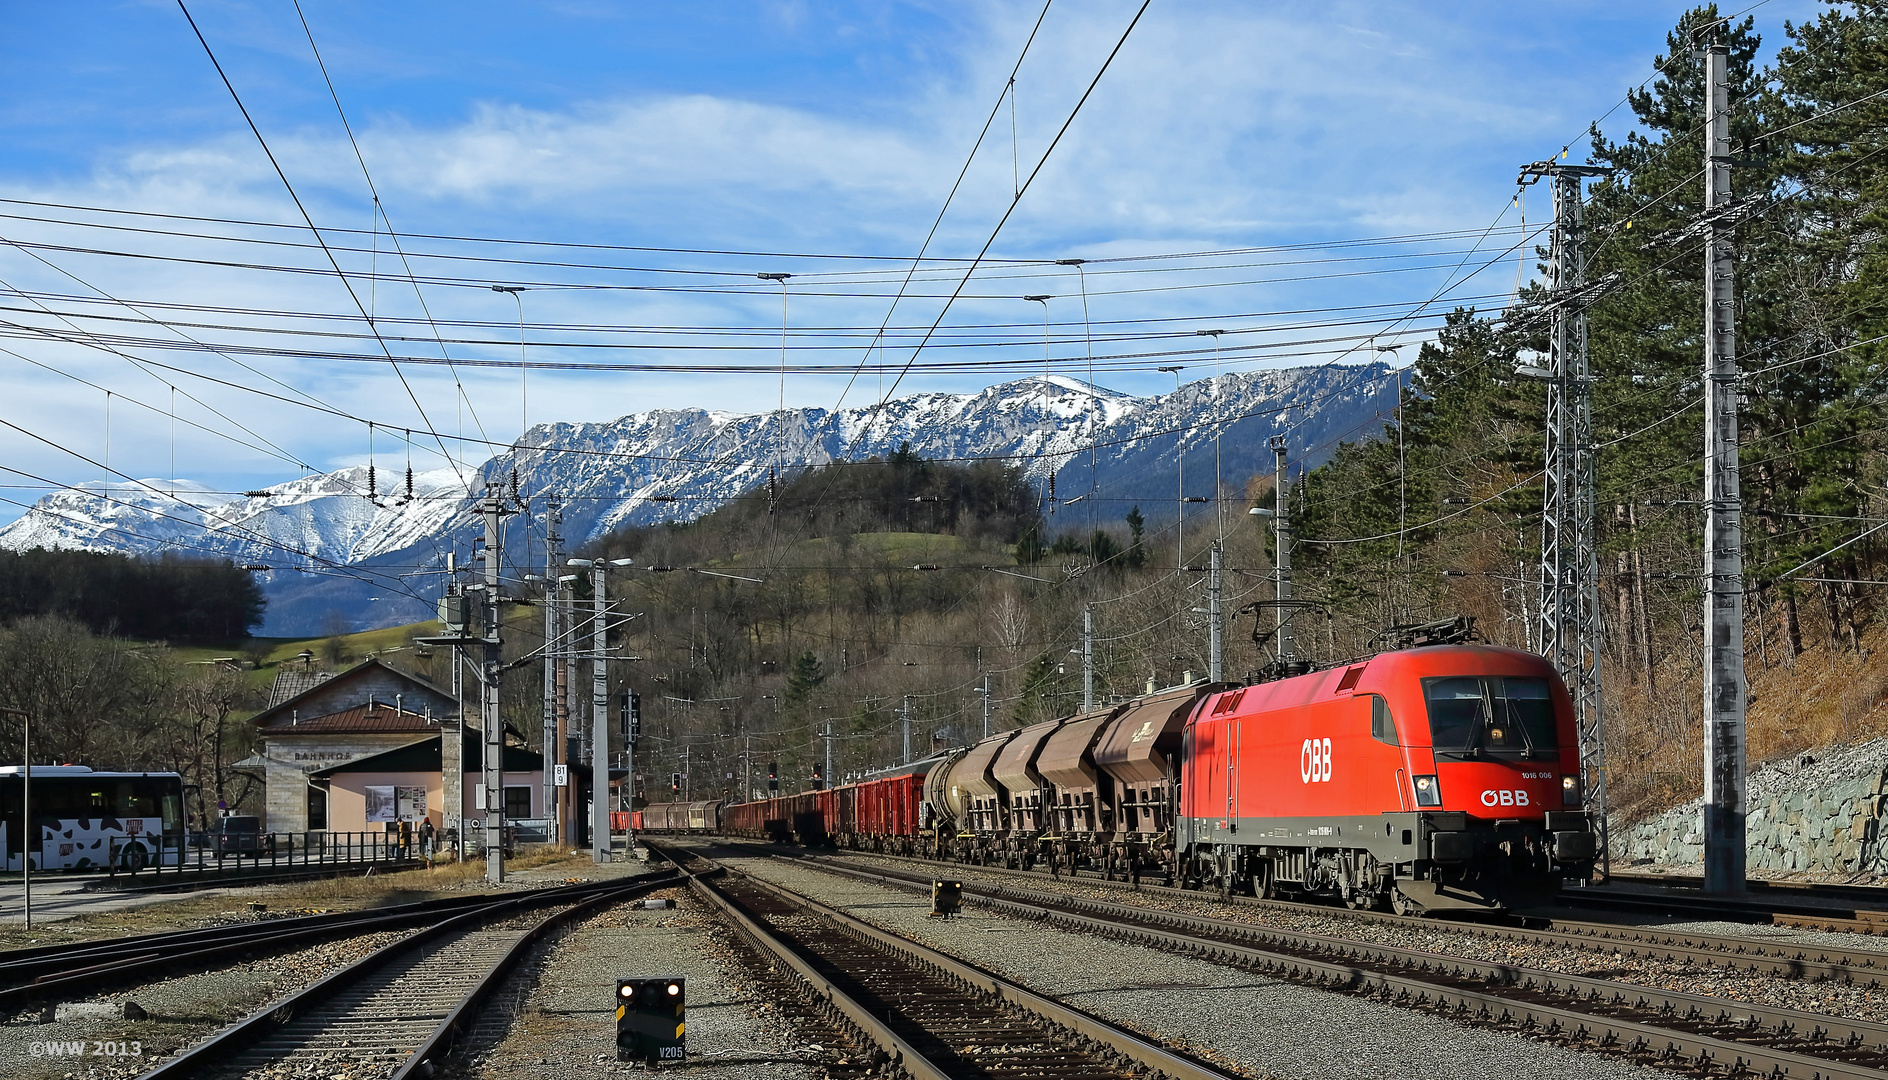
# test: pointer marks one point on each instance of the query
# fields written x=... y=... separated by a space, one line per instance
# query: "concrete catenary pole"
x=1724 y=690
x=1215 y=641
x=553 y=538
x=905 y=715
x=491 y=726
x=1281 y=518
x=1088 y=658
x=452 y=735
x=986 y=705
x=599 y=713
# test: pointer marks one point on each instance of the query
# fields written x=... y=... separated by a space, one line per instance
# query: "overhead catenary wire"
x=237 y=98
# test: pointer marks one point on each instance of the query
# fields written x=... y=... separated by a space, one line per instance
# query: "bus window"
x=173 y=808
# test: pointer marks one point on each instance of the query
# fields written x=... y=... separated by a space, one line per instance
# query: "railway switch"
x=650 y=1020
x=947 y=898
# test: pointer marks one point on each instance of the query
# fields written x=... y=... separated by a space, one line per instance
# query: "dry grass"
x=1828 y=696
x=187 y=911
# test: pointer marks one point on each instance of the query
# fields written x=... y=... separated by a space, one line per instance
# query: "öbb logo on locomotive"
x=1504 y=798
x=1314 y=761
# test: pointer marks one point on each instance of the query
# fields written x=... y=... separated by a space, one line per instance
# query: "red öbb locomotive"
x=1425 y=779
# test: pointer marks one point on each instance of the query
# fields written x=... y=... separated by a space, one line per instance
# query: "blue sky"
x=809 y=130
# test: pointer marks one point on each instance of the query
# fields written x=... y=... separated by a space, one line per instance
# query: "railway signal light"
x=675 y=783
x=773 y=777
x=650 y=1019
x=632 y=716
x=947 y=898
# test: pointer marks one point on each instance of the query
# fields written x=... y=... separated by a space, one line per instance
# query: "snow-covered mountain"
x=345 y=561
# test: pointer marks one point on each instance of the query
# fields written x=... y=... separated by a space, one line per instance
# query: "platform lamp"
x=26 y=807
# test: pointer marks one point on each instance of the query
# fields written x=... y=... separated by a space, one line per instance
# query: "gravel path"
x=1260 y=1026
x=568 y=1030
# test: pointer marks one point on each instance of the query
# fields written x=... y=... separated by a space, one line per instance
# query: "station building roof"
x=424 y=756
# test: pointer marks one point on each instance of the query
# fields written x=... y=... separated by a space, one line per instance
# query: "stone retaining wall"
x=1819 y=814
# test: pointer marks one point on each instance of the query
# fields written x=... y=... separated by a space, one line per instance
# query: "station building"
x=353 y=750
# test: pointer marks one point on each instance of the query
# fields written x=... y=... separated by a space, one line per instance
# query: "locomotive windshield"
x=1475 y=714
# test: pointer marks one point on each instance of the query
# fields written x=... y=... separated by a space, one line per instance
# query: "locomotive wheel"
x=1265 y=885
x=1402 y=904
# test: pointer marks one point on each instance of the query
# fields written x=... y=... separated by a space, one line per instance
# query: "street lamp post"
x=1180 y=487
x=1219 y=503
x=524 y=398
x=780 y=426
x=1043 y=299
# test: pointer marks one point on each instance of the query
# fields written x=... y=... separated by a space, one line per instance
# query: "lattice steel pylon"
x=1571 y=634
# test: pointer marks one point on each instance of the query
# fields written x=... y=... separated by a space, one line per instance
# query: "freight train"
x=1420 y=780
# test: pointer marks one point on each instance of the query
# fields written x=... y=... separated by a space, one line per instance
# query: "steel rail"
x=451 y=1029
x=50 y=972
x=1435 y=982
x=860 y=1021
x=1081 y=1026
x=1860 y=967
x=1745 y=910
x=104 y=885
x=204 y=1056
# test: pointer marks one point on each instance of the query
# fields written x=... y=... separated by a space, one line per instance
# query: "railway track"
x=406 y=1005
x=1804 y=909
x=915 y=1012
x=57 y=972
x=1748 y=955
x=1648 y=1025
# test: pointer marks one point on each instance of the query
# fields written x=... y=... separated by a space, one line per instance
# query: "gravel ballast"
x=179 y=1012
x=1260 y=1026
x=567 y=1026
x=1853 y=1002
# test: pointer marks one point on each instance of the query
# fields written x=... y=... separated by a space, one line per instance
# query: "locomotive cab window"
x=1529 y=708
x=1474 y=715
x=1457 y=712
x=1382 y=726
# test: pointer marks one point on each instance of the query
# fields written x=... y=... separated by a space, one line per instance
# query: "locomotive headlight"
x=1428 y=792
x=1570 y=791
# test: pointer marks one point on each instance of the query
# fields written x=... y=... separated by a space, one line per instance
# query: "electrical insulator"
x=371 y=493
x=409 y=483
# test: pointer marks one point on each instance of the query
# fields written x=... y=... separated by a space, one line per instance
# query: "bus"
x=84 y=819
